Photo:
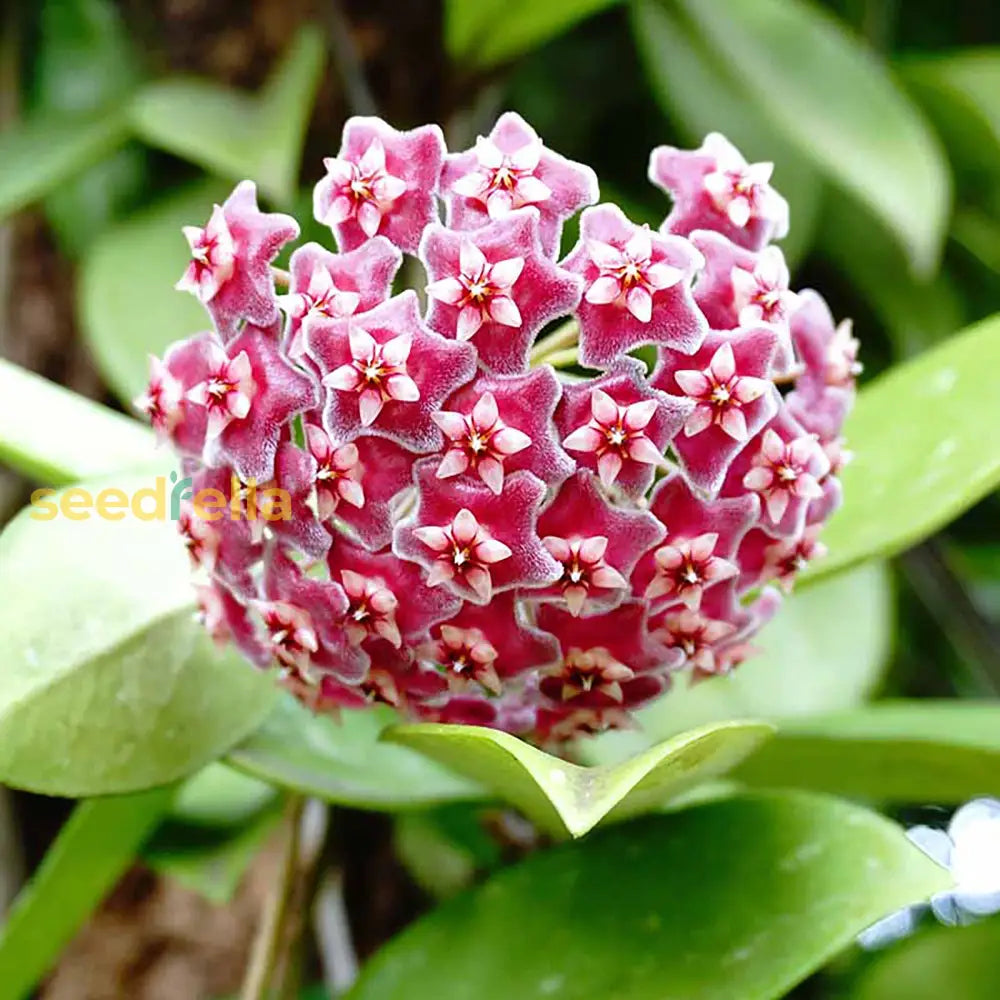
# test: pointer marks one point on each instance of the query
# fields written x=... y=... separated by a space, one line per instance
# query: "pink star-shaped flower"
x=230 y=268
x=693 y=635
x=416 y=607
x=227 y=619
x=741 y=288
x=495 y=285
x=703 y=537
x=727 y=381
x=480 y=441
x=382 y=182
x=387 y=372
x=596 y=544
x=509 y=169
x=295 y=473
x=303 y=619
x=509 y=646
x=637 y=288
x=474 y=542
x=249 y=398
x=715 y=188
x=619 y=426
x=525 y=404
x=785 y=472
x=335 y=286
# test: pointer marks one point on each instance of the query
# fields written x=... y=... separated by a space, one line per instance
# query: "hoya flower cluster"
x=493 y=517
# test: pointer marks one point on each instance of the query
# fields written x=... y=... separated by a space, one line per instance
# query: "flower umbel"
x=478 y=538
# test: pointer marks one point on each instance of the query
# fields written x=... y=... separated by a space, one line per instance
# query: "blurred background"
x=121 y=121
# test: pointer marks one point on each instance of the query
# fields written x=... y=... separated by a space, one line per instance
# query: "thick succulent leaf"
x=94 y=848
x=45 y=150
x=922 y=449
x=57 y=436
x=109 y=684
x=699 y=92
x=234 y=134
x=219 y=796
x=808 y=663
x=841 y=107
x=732 y=900
x=128 y=306
x=343 y=761
x=902 y=751
x=489 y=32
x=960 y=963
x=564 y=798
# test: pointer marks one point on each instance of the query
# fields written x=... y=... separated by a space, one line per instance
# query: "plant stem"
x=561 y=359
x=268 y=944
x=564 y=336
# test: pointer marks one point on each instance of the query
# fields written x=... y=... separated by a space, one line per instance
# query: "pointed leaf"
x=109 y=685
x=232 y=133
x=56 y=436
x=735 y=900
x=923 y=453
x=901 y=751
x=565 y=798
x=839 y=104
x=93 y=850
x=343 y=762
x=490 y=32
x=128 y=306
x=45 y=150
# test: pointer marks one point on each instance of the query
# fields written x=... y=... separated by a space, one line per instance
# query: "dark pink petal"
x=555 y=186
x=541 y=292
x=435 y=365
x=612 y=326
x=282 y=392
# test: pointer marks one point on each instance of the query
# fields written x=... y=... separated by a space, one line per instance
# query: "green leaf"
x=84 y=62
x=841 y=107
x=700 y=94
x=211 y=862
x=740 y=898
x=109 y=685
x=979 y=233
x=922 y=449
x=961 y=94
x=489 y=32
x=900 y=751
x=344 y=762
x=564 y=798
x=219 y=796
x=45 y=150
x=92 y=851
x=57 y=436
x=127 y=304
x=960 y=963
x=808 y=663
x=233 y=134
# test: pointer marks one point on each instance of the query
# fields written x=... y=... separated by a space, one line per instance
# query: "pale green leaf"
x=923 y=453
x=127 y=303
x=343 y=761
x=484 y=33
x=957 y=963
x=93 y=850
x=733 y=900
x=236 y=135
x=700 y=94
x=109 y=684
x=564 y=798
x=902 y=751
x=808 y=663
x=221 y=796
x=45 y=150
x=57 y=437
x=837 y=102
